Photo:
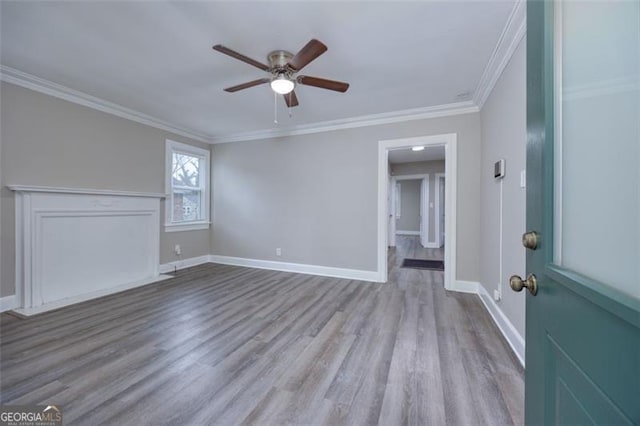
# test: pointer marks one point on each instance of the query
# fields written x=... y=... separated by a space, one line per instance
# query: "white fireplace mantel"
x=85 y=191
x=76 y=244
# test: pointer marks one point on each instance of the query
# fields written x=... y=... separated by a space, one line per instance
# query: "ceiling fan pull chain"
x=275 y=108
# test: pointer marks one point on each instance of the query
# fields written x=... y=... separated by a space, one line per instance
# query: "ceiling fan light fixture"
x=282 y=85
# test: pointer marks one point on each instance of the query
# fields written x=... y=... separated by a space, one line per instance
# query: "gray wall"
x=50 y=142
x=315 y=196
x=504 y=136
x=409 y=219
x=427 y=168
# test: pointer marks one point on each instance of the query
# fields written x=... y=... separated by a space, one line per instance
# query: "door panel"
x=583 y=325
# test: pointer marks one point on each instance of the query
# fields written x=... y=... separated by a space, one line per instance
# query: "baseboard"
x=27 y=312
x=184 y=263
x=325 y=271
x=515 y=340
x=407 y=232
x=8 y=303
x=465 y=286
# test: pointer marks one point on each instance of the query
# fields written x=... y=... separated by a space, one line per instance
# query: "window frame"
x=172 y=147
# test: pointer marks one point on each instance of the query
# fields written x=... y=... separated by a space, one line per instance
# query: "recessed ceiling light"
x=417 y=148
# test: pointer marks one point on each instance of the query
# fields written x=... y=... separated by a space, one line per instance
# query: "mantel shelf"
x=85 y=191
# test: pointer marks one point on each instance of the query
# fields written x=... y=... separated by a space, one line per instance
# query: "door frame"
x=436 y=212
x=392 y=212
x=424 y=198
x=449 y=141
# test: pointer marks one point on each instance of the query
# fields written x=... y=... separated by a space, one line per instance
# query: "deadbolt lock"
x=530 y=240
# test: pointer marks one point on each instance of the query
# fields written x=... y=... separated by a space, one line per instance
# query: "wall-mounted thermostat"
x=499 y=169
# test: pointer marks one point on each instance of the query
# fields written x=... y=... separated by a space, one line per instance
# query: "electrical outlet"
x=497 y=295
x=177 y=249
x=278 y=251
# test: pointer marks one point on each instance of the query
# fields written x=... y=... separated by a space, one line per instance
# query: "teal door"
x=583 y=202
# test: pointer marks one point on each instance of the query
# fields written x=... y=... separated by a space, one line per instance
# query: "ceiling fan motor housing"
x=278 y=60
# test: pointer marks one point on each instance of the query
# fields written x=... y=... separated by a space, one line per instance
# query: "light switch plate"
x=523 y=179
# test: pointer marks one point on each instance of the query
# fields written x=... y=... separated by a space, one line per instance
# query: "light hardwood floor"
x=229 y=345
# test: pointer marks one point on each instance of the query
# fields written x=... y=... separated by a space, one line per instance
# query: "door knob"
x=517 y=283
x=530 y=240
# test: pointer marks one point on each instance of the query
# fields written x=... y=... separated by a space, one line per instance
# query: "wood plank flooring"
x=229 y=345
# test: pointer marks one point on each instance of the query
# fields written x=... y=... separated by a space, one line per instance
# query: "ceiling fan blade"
x=323 y=83
x=220 y=48
x=291 y=99
x=308 y=53
x=247 y=85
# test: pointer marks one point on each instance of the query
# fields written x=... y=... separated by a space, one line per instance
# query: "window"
x=187 y=204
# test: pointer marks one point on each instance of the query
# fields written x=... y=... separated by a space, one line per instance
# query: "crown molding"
x=512 y=33
x=354 y=122
x=23 y=79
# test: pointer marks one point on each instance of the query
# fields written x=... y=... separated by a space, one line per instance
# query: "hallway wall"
x=504 y=130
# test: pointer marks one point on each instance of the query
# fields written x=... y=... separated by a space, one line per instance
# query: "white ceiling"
x=406 y=155
x=156 y=57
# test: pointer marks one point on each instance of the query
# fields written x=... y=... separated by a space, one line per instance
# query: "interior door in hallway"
x=424 y=211
x=440 y=212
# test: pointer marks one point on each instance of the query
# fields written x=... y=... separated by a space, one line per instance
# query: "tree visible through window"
x=188 y=182
x=187 y=195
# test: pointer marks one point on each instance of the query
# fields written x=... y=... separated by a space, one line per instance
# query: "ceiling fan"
x=283 y=67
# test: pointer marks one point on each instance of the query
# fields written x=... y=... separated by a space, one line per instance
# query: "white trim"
x=513 y=338
x=188 y=226
x=8 y=303
x=411 y=177
x=23 y=79
x=437 y=111
x=88 y=296
x=32 y=208
x=449 y=141
x=436 y=214
x=512 y=33
x=462 y=286
x=325 y=271
x=398 y=232
x=182 y=264
x=86 y=191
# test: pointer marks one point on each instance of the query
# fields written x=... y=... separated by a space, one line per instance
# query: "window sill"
x=190 y=226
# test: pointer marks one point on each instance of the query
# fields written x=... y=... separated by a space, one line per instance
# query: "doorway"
x=387 y=192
